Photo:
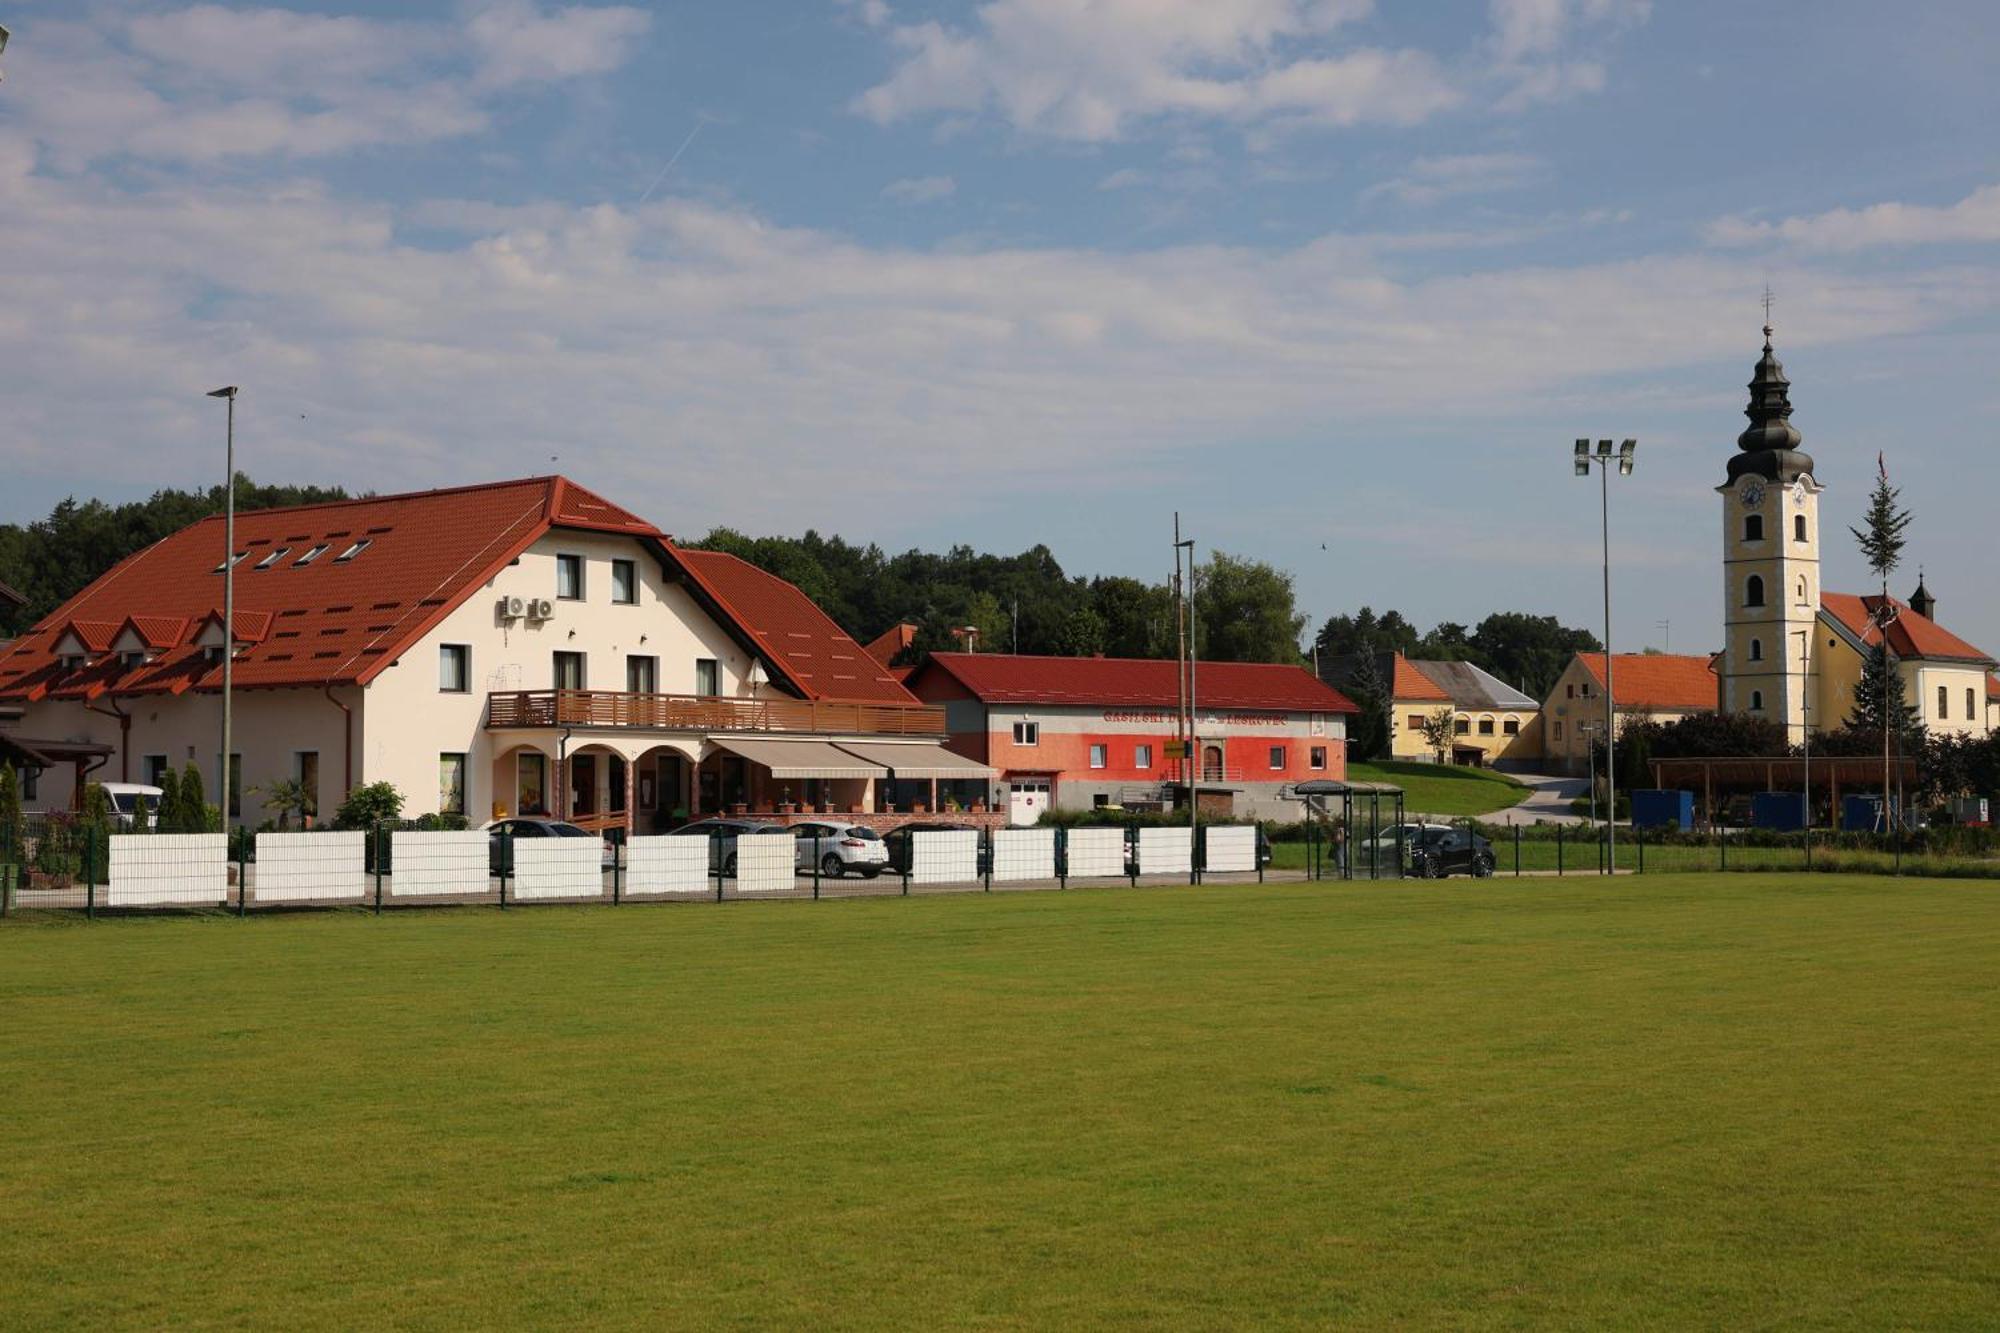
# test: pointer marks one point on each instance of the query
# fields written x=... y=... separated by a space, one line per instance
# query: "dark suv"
x=1435 y=853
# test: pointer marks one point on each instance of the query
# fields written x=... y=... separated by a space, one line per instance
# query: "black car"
x=1435 y=853
x=898 y=842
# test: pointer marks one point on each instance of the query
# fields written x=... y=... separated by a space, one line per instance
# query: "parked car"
x=499 y=855
x=838 y=848
x=1407 y=835
x=1440 y=852
x=897 y=843
x=128 y=798
x=722 y=835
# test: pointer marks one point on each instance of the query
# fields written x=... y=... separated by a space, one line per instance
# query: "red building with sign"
x=1077 y=732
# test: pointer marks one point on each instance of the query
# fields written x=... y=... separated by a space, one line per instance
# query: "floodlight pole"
x=228 y=393
x=1193 y=652
x=1604 y=458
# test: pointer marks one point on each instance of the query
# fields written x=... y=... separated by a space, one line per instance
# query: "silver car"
x=840 y=849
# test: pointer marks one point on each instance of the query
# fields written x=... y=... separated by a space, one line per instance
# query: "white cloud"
x=920 y=189
x=1534 y=43
x=1430 y=179
x=738 y=348
x=205 y=83
x=517 y=41
x=1973 y=219
x=874 y=13
x=1090 y=71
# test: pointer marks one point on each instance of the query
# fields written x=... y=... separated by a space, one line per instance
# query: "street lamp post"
x=1604 y=458
x=228 y=392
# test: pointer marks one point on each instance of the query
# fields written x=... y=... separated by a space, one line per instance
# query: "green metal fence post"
x=1517 y=851
x=242 y=879
x=715 y=859
x=1257 y=850
x=1062 y=858
x=986 y=837
x=506 y=865
x=1639 y=836
x=375 y=838
x=89 y=882
x=617 y=871
x=1722 y=846
x=1132 y=855
x=815 y=861
x=1559 y=850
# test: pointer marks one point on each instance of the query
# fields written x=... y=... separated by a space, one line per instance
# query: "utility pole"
x=228 y=392
x=1193 y=707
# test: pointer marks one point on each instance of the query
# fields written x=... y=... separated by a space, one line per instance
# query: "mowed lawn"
x=1440 y=789
x=1684 y=1101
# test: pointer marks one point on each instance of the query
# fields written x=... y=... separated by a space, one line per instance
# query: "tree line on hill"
x=1245 y=610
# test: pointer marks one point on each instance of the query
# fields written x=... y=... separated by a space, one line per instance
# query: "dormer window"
x=274 y=557
x=211 y=652
x=236 y=559
x=71 y=661
x=353 y=550
x=134 y=658
x=312 y=555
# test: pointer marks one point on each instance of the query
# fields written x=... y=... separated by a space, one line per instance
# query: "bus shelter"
x=1357 y=843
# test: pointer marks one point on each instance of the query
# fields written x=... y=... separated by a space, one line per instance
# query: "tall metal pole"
x=1180 y=667
x=1194 y=708
x=1805 y=730
x=228 y=394
x=1610 y=706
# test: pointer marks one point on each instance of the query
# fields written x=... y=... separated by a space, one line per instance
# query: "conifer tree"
x=194 y=802
x=167 y=819
x=1368 y=733
x=1881 y=540
x=1879 y=698
x=12 y=828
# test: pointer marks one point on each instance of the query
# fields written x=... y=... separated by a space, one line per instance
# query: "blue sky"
x=1317 y=273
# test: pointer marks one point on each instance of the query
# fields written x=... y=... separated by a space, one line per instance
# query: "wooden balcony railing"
x=697 y=712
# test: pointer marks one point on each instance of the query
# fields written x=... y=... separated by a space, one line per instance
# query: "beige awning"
x=924 y=759
x=802 y=759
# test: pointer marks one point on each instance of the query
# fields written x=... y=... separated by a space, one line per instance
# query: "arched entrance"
x=1211 y=763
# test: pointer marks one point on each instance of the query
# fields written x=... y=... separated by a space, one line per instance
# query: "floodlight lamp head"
x=1604 y=448
x=1625 y=453
x=1583 y=458
x=226 y=391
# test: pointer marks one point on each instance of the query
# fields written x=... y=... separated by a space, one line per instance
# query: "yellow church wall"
x=1960 y=685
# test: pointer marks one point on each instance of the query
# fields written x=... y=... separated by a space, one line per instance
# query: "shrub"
x=12 y=826
x=368 y=805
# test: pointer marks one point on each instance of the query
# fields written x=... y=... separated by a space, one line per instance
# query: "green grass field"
x=1441 y=789
x=1681 y=1101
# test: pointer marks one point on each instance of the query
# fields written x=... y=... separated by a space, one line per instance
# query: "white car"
x=1407 y=834
x=838 y=849
x=128 y=797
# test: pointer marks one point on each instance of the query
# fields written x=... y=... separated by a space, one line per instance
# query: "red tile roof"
x=1910 y=635
x=884 y=646
x=794 y=634
x=1669 y=682
x=331 y=621
x=1992 y=686
x=1136 y=682
x=1409 y=683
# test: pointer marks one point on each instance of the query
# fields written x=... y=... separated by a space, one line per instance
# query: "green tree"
x=1528 y=651
x=12 y=827
x=288 y=797
x=1246 y=612
x=1880 y=536
x=195 y=814
x=1138 y=616
x=1440 y=728
x=1880 y=699
x=167 y=818
x=1083 y=634
x=1368 y=731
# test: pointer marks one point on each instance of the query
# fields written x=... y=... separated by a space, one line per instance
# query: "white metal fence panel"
x=1166 y=851
x=1096 y=851
x=311 y=867
x=434 y=864
x=558 y=868
x=765 y=863
x=662 y=864
x=948 y=856
x=184 y=869
x=1230 y=847
x=1024 y=853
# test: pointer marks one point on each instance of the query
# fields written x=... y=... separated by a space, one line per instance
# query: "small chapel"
x=1793 y=651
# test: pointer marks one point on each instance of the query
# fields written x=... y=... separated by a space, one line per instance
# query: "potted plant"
x=786 y=805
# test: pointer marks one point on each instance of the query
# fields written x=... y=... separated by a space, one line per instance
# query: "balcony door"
x=569 y=671
x=642 y=675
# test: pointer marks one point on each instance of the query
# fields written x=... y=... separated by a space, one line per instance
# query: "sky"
x=1339 y=281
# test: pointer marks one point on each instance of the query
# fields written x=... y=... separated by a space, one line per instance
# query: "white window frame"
x=571 y=560
x=1316 y=758
x=312 y=553
x=631 y=571
x=1100 y=756
x=1142 y=757
x=1027 y=734
x=1281 y=758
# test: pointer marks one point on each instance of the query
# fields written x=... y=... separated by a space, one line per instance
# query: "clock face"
x=1752 y=495
x=1799 y=491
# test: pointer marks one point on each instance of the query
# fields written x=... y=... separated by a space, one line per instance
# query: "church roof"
x=1911 y=635
x=1666 y=682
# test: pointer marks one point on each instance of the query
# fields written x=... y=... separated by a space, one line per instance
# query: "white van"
x=126 y=798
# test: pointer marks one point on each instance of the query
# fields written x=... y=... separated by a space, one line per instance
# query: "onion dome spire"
x=1770 y=445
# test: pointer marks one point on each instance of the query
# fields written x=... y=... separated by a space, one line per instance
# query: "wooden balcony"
x=707 y=713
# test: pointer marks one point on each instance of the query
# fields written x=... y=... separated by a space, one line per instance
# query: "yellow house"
x=1948 y=681
x=1647 y=687
x=1492 y=722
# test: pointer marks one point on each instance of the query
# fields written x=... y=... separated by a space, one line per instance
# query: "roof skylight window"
x=236 y=559
x=312 y=555
x=353 y=551
x=274 y=557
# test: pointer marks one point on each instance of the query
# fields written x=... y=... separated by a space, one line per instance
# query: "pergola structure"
x=1740 y=773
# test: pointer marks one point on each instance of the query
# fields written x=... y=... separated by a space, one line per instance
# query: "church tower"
x=1770 y=560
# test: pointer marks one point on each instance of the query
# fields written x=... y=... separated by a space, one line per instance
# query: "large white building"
x=520 y=647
